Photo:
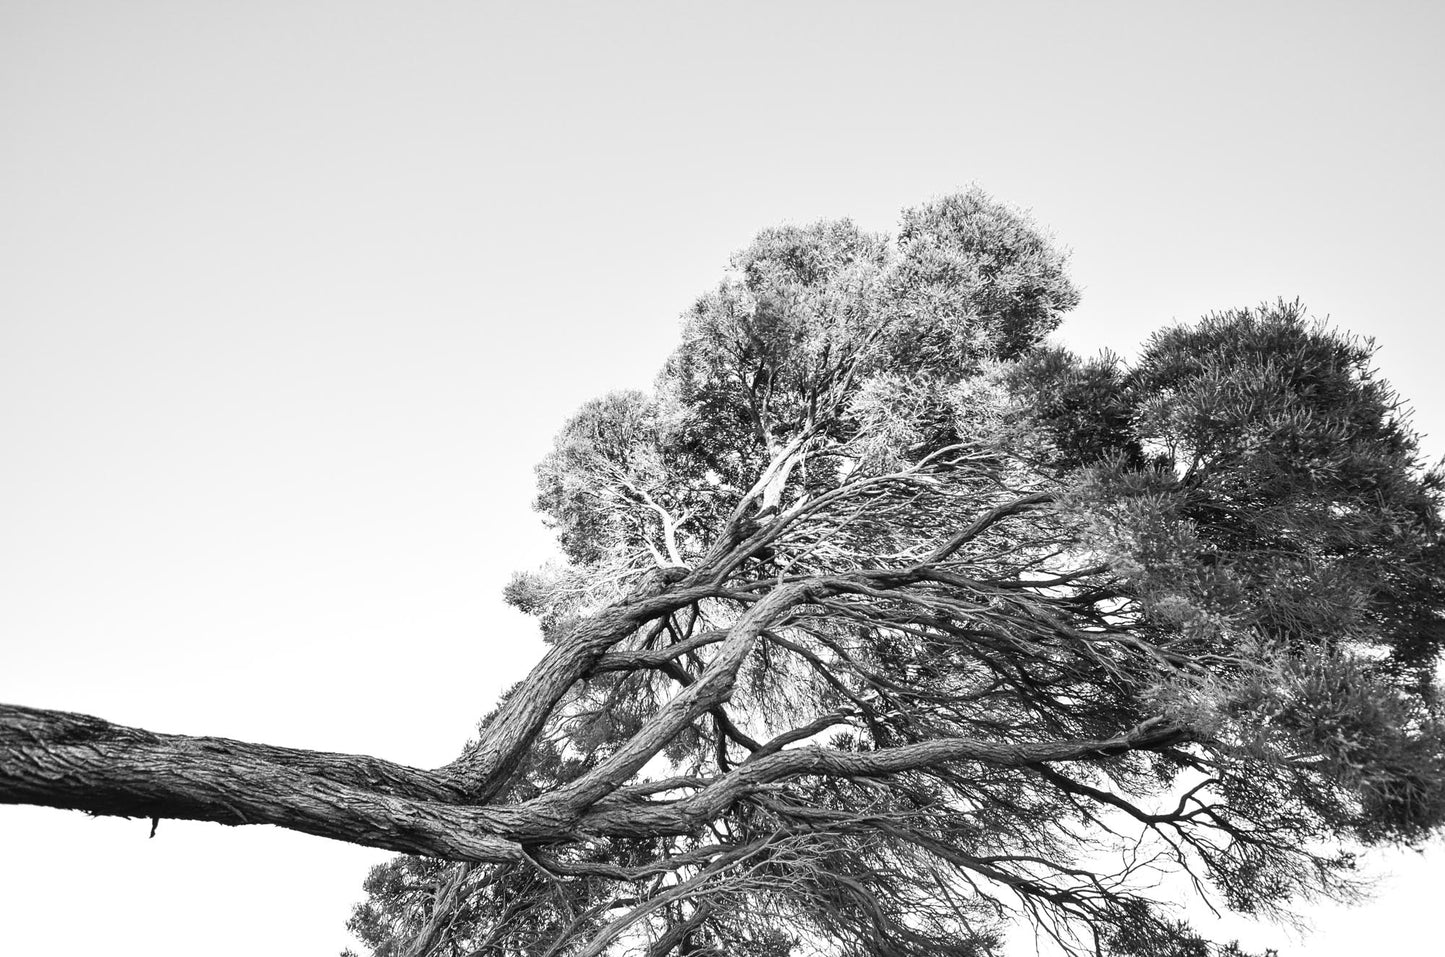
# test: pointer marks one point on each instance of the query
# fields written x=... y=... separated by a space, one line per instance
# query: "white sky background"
x=293 y=295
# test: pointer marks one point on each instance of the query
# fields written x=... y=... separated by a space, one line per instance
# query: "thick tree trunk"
x=58 y=759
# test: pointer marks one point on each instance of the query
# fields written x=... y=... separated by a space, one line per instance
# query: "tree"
x=883 y=621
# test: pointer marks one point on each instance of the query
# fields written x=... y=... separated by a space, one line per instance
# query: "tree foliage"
x=884 y=622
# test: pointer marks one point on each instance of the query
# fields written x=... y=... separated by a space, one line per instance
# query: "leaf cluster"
x=954 y=627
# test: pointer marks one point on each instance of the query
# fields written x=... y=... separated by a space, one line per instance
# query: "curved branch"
x=486 y=768
x=636 y=819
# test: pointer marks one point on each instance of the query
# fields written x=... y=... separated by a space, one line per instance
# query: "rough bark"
x=484 y=770
x=79 y=762
x=63 y=760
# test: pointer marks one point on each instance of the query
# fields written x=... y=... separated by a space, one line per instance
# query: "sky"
x=293 y=295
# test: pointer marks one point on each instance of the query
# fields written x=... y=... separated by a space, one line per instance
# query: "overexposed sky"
x=294 y=294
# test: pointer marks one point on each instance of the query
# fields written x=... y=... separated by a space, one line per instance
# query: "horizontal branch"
x=63 y=760
x=626 y=818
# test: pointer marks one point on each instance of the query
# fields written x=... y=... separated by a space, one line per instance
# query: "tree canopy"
x=883 y=622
